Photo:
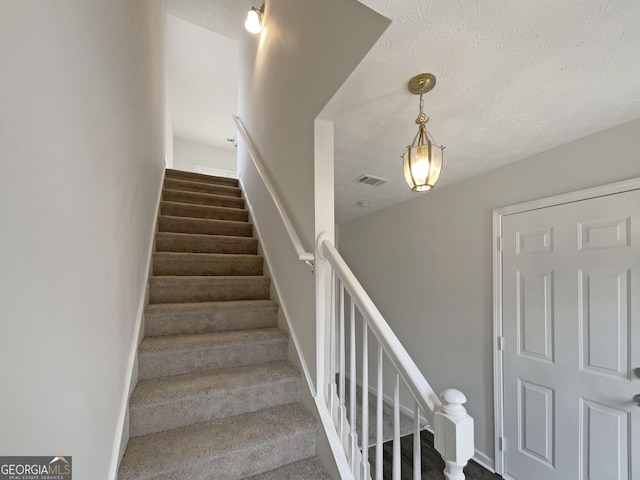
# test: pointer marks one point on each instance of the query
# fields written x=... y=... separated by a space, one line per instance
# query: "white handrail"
x=407 y=368
x=303 y=255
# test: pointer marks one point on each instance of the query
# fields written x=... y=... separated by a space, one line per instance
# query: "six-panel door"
x=571 y=322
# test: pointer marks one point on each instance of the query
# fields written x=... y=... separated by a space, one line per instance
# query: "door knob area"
x=636 y=399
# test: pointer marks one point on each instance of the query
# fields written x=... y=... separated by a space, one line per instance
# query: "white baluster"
x=453 y=433
x=352 y=388
x=365 y=402
x=331 y=391
x=396 y=430
x=343 y=408
x=379 y=418
x=417 y=446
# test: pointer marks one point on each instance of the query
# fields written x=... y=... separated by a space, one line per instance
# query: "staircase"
x=216 y=396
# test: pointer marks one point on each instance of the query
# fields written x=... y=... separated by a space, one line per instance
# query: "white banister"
x=303 y=255
x=414 y=379
x=453 y=427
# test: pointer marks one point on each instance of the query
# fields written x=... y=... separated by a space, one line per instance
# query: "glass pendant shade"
x=422 y=160
x=253 y=23
x=422 y=163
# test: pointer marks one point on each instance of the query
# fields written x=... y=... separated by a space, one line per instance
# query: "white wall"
x=427 y=263
x=202 y=78
x=188 y=154
x=287 y=74
x=81 y=149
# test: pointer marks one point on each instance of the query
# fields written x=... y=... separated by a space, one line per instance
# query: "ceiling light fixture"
x=254 y=20
x=423 y=158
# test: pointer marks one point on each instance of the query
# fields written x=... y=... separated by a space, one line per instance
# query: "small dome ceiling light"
x=423 y=158
x=254 y=20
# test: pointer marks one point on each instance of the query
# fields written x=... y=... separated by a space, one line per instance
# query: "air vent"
x=370 y=180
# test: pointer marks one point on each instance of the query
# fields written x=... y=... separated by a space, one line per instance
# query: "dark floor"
x=432 y=463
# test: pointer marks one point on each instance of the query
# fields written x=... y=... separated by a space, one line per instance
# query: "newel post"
x=453 y=433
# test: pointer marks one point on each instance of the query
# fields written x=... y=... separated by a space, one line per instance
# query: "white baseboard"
x=483 y=460
x=122 y=428
x=283 y=306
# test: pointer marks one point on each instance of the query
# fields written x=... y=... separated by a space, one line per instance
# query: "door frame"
x=498 y=213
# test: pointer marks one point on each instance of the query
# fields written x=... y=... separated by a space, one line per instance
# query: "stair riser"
x=210 y=406
x=197 y=320
x=190 y=186
x=203 y=358
x=203 y=289
x=201 y=211
x=199 y=177
x=188 y=264
x=188 y=243
x=202 y=226
x=258 y=459
x=202 y=199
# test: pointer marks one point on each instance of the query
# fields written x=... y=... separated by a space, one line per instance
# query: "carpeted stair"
x=216 y=397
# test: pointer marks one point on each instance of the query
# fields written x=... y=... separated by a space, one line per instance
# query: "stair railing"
x=346 y=301
x=303 y=255
x=452 y=426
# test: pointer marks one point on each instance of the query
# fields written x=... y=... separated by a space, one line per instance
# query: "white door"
x=571 y=326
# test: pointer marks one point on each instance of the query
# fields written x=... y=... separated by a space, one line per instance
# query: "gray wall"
x=81 y=160
x=287 y=74
x=427 y=262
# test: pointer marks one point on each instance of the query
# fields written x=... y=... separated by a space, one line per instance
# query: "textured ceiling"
x=513 y=79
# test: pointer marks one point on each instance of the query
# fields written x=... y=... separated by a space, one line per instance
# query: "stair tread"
x=205 y=340
x=211 y=256
x=208 y=187
x=206 y=220
x=202 y=198
x=210 y=279
x=308 y=469
x=205 y=243
x=203 y=207
x=194 y=210
x=206 y=236
x=174 y=173
x=201 y=317
x=211 y=288
x=153 y=307
x=167 y=389
x=186 y=447
x=207 y=226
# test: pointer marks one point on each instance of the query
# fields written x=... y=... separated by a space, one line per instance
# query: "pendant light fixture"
x=423 y=158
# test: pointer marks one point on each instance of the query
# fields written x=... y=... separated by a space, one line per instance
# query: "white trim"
x=138 y=332
x=484 y=461
x=283 y=306
x=498 y=213
x=334 y=441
